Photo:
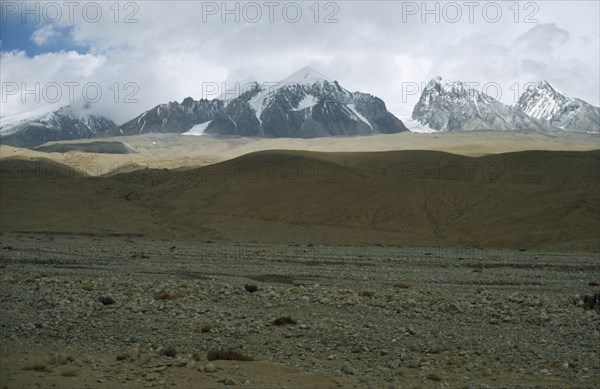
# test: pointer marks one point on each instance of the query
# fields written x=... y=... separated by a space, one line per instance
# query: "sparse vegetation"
x=228 y=354
x=206 y=327
x=251 y=288
x=283 y=320
x=107 y=300
x=168 y=352
x=163 y=295
x=366 y=293
x=592 y=302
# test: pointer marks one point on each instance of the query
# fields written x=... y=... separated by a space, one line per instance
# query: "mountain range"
x=543 y=102
x=308 y=104
x=304 y=105
x=455 y=106
x=38 y=127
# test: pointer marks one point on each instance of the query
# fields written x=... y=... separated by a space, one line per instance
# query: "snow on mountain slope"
x=542 y=101
x=38 y=127
x=304 y=76
x=306 y=104
x=198 y=129
x=455 y=106
x=10 y=123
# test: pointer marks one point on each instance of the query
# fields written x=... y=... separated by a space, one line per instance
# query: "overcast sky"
x=171 y=50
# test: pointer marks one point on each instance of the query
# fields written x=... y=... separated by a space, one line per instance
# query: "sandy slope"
x=527 y=199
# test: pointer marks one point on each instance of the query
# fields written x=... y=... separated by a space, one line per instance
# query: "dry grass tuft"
x=592 y=302
x=107 y=300
x=206 y=327
x=366 y=293
x=401 y=285
x=228 y=354
x=138 y=255
x=251 y=288
x=283 y=320
x=434 y=377
x=162 y=295
x=168 y=352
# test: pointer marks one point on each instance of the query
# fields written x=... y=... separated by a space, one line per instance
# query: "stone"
x=209 y=368
x=347 y=368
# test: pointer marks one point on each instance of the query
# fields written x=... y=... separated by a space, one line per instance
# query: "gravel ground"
x=88 y=311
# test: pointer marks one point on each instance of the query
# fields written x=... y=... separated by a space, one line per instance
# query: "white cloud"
x=42 y=35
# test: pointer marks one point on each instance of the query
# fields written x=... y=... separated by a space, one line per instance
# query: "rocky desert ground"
x=82 y=311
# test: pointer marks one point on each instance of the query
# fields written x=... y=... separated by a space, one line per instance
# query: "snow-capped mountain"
x=542 y=101
x=304 y=105
x=172 y=117
x=37 y=127
x=454 y=106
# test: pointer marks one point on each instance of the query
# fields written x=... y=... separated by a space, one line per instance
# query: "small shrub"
x=162 y=295
x=139 y=255
x=401 y=285
x=227 y=355
x=366 y=293
x=251 y=288
x=592 y=302
x=206 y=327
x=434 y=377
x=107 y=300
x=168 y=352
x=283 y=320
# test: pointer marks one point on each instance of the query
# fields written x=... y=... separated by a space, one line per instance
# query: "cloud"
x=543 y=38
x=44 y=34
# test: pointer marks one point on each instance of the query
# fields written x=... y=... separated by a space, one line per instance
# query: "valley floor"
x=88 y=311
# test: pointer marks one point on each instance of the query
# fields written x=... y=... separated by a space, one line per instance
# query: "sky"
x=122 y=58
